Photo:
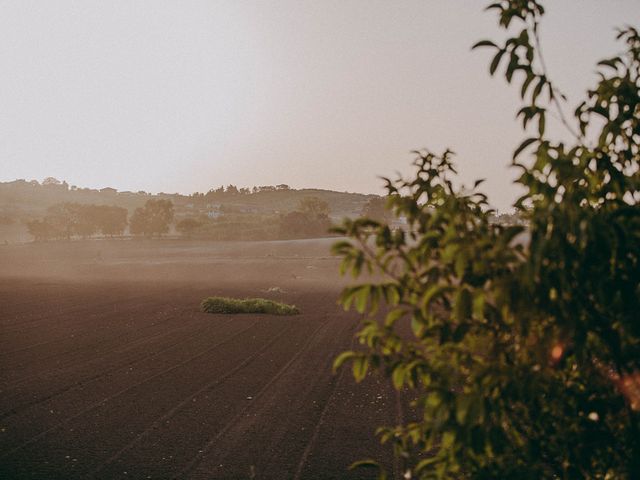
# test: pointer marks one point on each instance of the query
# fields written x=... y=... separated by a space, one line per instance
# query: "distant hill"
x=22 y=201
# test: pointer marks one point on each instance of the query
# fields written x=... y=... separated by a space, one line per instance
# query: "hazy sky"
x=182 y=96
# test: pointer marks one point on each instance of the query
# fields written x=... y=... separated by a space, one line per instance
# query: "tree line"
x=65 y=221
x=234 y=190
x=309 y=219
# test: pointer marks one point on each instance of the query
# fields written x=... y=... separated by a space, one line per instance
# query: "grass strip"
x=229 y=305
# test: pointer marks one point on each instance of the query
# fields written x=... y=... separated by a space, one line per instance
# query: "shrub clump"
x=247 y=305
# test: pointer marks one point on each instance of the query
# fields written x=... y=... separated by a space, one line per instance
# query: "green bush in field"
x=247 y=305
x=524 y=357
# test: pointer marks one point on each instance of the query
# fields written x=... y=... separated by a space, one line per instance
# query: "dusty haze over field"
x=182 y=96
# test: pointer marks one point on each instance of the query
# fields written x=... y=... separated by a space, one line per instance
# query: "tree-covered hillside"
x=23 y=201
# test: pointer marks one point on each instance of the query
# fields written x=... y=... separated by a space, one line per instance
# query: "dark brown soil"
x=109 y=370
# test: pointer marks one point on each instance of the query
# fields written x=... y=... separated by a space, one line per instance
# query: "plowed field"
x=109 y=370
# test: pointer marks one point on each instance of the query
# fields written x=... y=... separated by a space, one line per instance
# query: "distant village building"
x=248 y=210
x=214 y=210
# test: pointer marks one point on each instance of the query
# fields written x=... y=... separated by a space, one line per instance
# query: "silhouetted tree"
x=309 y=220
x=314 y=207
x=41 y=230
x=154 y=218
x=188 y=226
x=64 y=219
x=110 y=220
x=86 y=218
x=51 y=181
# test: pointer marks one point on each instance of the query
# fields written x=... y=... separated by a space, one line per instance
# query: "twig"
x=554 y=96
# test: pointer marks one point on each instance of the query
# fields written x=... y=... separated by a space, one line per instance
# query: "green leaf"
x=512 y=66
x=493 y=6
x=526 y=83
x=417 y=326
x=360 y=366
x=391 y=294
x=432 y=292
x=522 y=146
x=460 y=264
x=347 y=296
x=358 y=262
x=538 y=88
x=393 y=316
x=484 y=43
x=496 y=61
x=611 y=63
x=361 y=298
x=369 y=463
x=343 y=357
x=541 y=124
x=398 y=376
x=341 y=248
x=463 y=304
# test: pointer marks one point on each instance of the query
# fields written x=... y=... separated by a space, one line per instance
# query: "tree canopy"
x=310 y=219
x=524 y=348
x=152 y=219
x=314 y=207
x=67 y=220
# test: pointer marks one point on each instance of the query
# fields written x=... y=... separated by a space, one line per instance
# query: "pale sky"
x=182 y=96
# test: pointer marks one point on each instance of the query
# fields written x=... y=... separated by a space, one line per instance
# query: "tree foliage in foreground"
x=523 y=355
